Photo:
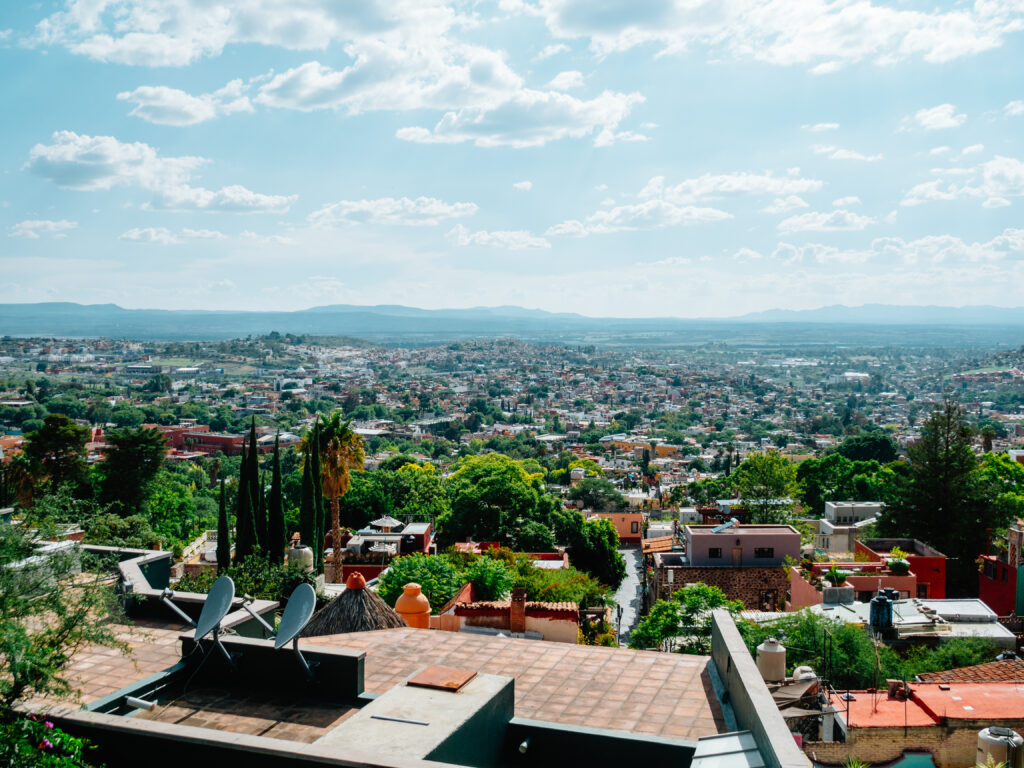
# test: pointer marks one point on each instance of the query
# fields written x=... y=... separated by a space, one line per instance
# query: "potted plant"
x=835 y=577
x=898 y=562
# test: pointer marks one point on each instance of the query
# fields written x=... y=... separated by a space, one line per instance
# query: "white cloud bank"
x=74 y=161
x=513 y=240
x=170 y=106
x=403 y=211
x=33 y=229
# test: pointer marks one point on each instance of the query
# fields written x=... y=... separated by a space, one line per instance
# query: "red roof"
x=930 y=704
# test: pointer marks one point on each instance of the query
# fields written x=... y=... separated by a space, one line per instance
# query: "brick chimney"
x=517 y=612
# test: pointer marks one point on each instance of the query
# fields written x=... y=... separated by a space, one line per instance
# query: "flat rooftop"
x=933 y=702
x=257 y=713
x=643 y=692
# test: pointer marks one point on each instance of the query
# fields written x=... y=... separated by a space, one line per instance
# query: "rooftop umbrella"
x=357 y=609
x=387 y=522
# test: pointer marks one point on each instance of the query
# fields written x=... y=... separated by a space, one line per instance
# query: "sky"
x=616 y=158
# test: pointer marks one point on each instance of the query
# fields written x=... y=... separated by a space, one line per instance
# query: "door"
x=737 y=556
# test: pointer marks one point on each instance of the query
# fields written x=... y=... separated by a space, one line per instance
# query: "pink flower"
x=45 y=744
x=48 y=725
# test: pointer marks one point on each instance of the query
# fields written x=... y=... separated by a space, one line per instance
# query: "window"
x=634 y=527
x=922 y=590
x=764 y=552
x=715 y=552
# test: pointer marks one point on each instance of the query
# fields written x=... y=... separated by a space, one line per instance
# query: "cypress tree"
x=223 y=534
x=318 y=504
x=261 y=506
x=245 y=534
x=307 y=517
x=256 y=490
x=277 y=536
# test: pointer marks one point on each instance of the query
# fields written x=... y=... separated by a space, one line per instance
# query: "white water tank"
x=1003 y=745
x=771 y=660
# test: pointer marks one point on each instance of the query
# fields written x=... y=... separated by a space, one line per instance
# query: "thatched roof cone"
x=357 y=609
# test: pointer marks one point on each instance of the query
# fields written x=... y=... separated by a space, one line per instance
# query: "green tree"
x=307 y=506
x=490 y=496
x=340 y=450
x=56 y=452
x=943 y=499
x=491 y=578
x=837 y=478
x=869 y=446
x=683 y=623
x=49 y=609
x=223 y=534
x=133 y=457
x=245 y=531
x=765 y=481
x=256 y=496
x=592 y=546
x=597 y=493
x=277 y=535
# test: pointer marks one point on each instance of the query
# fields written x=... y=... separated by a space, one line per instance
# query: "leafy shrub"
x=491 y=579
x=255 y=576
x=33 y=742
x=438 y=577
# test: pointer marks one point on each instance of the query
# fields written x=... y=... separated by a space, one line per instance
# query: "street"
x=628 y=594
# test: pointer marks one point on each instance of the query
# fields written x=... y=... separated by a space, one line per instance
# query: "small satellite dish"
x=296 y=615
x=216 y=607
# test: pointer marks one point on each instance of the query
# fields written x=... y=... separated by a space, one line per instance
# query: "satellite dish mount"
x=296 y=616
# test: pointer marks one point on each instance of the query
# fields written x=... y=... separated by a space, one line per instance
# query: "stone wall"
x=950 y=747
x=746 y=584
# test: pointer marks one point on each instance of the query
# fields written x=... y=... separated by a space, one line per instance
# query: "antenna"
x=296 y=616
x=215 y=608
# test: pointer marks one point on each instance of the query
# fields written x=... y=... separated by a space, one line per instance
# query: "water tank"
x=892 y=594
x=771 y=660
x=1003 y=745
x=301 y=557
x=880 y=612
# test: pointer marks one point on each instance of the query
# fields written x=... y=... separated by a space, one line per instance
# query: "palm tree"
x=341 y=451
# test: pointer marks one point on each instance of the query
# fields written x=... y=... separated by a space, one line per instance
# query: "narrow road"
x=628 y=594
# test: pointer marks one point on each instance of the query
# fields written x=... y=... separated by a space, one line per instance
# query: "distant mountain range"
x=872 y=323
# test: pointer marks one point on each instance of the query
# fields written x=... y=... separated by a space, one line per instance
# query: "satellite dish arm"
x=166 y=596
x=247 y=604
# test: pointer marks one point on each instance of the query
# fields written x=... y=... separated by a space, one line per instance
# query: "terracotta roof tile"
x=557 y=682
x=1007 y=670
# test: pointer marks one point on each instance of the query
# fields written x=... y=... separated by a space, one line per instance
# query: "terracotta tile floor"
x=291 y=718
x=640 y=691
x=97 y=672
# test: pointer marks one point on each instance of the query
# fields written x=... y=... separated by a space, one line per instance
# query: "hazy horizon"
x=665 y=160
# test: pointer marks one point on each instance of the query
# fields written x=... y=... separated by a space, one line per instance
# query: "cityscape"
x=514 y=383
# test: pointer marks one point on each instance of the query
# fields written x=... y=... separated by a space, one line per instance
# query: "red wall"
x=930 y=571
x=999 y=595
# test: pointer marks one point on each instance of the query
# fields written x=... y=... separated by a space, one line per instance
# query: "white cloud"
x=531 y=119
x=838 y=153
x=940 y=117
x=155 y=235
x=164 y=236
x=566 y=81
x=33 y=229
x=164 y=33
x=1014 y=108
x=81 y=162
x=994 y=181
x=421 y=211
x=716 y=186
x=938 y=150
x=830 y=221
x=973 y=149
x=516 y=240
x=523 y=186
x=819 y=127
x=822 y=36
x=551 y=50
x=785 y=204
x=651 y=214
x=170 y=106
x=844 y=202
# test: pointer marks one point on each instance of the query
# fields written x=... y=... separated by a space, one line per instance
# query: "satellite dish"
x=215 y=608
x=296 y=615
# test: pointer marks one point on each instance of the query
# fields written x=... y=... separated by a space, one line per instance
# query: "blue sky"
x=608 y=157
